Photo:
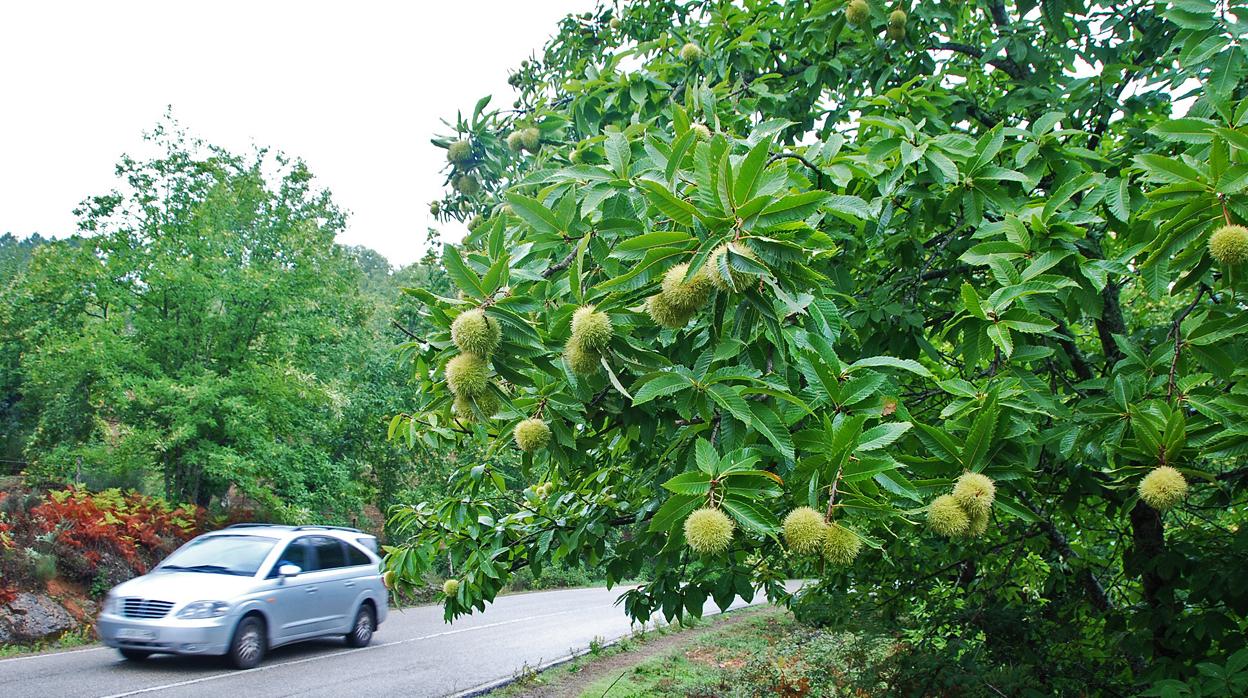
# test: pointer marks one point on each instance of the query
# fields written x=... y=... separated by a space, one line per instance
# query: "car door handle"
x=349 y=584
x=310 y=590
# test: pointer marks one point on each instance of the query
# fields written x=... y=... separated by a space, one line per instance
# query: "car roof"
x=284 y=531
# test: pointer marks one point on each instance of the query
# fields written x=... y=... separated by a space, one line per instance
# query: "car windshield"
x=239 y=555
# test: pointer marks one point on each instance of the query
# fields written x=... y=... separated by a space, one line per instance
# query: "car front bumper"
x=208 y=636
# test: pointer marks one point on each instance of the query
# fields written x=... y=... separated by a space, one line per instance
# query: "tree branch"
x=1176 y=332
x=403 y=329
x=1006 y=65
x=561 y=264
x=999 y=17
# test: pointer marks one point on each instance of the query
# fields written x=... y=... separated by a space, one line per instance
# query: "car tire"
x=362 y=628
x=135 y=655
x=248 y=646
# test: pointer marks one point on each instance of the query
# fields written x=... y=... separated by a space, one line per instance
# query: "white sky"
x=354 y=88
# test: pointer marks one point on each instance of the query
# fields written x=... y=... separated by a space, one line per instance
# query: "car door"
x=292 y=604
x=336 y=586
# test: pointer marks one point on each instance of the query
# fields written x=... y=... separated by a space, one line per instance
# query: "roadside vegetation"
x=941 y=305
x=944 y=301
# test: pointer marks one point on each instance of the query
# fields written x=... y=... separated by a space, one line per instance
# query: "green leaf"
x=663 y=238
x=1010 y=506
x=751 y=516
x=769 y=425
x=791 y=208
x=850 y=205
x=890 y=362
x=679 y=149
x=618 y=153
x=1000 y=336
x=694 y=483
x=979 y=439
x=1170 y=170
x=466 y=279
x=882 y=435
x=662 y=385
x=972 y=302
x=706 y=458
x=936 y=441
x=534 y=213
x=615 y=381
x=943 y=164
x=674 y=511
x=728 y=399
x=747 y=175
x=1187 y=130
x=669 y=204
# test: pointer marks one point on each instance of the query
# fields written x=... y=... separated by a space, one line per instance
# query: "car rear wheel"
x=362 y=630
x=135 y=655
x=247 y=648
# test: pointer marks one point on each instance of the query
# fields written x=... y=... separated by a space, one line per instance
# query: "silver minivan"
x=246 y=589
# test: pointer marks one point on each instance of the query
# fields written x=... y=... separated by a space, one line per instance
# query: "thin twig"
x=1177 y=332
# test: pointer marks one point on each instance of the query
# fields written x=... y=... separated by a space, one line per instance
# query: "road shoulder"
x=603 y=667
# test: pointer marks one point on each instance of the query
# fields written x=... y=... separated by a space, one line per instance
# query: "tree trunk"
x=1148 y=544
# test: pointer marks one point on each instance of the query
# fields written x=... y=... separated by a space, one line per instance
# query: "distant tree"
x=200 y=331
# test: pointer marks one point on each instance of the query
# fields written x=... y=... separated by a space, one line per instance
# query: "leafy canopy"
x=974 y=244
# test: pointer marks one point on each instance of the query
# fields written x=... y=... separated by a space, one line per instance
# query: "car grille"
x=145 y=608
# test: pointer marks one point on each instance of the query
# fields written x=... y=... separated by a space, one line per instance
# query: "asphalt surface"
x=414 y=653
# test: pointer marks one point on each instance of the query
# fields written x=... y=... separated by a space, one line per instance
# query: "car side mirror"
x=289 y=570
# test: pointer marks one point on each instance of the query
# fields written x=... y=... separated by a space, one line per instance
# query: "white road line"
x=267 y=667
x=52 y=654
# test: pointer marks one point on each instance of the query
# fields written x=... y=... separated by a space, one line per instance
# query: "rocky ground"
x=37 y=618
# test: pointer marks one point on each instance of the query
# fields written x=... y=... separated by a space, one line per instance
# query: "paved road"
x=413 y=654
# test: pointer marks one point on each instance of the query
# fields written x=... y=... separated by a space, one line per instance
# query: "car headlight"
x=204 y=609
x=112 y=605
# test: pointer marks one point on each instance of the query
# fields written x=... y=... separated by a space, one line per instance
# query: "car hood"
x=184 y=587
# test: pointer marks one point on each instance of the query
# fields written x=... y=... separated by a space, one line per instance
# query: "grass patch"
x=81 y=637
x=699 y=667
x=648 y=662
x=761 y=651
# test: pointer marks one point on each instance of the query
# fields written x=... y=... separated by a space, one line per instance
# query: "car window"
x=220 y=554
x=329 y=553
x=356 y=557
x=298 y=552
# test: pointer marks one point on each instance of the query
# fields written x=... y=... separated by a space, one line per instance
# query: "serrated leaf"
x=769 y=425
x=728 y=399
x=890 y=362
x=747 y=175
x=1170 y=170
x=664 y=384
x=882 y=435
x=791 y=208
x=669 y=204
x=750 y=515
x=694 y=483
x=466 y=279
x=674 y=511
x=1187 y=130
x=1000 y=336
x=540 y=218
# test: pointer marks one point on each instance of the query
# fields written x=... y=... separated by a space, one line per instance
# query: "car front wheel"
x=247 y=648
x=362 y=630
x=135 y=655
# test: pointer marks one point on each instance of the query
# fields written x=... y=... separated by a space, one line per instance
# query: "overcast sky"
x=354 y=88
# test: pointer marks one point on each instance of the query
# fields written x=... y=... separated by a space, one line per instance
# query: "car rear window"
x=356 y=557
x=329 y=553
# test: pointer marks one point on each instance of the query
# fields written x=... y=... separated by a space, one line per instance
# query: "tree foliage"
x=970 y=239
x=206 y=333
